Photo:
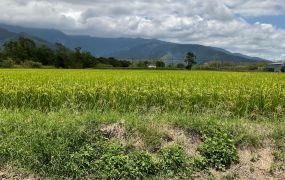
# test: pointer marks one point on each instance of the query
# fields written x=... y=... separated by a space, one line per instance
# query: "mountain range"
x=124 y=48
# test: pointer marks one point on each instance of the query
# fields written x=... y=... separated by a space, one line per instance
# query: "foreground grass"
x=73 y=144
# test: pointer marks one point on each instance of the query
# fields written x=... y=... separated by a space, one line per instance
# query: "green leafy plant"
x=200 y=163
x=80 y=161
x=120 y=164
x=219 y=150
x=174 y=161
x=112 y=166
x=142 y=164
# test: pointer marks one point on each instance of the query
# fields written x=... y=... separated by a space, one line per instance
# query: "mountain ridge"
x=132 y=48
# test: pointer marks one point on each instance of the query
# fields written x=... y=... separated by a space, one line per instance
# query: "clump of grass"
x=152 y=137
x=279 y=150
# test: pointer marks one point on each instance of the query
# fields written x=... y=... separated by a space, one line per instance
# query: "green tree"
x=160 y=64
x=45 y=55
x=62 y=56
x=76 y=60
x=140 y=64
x=88 y=61
x=1 y=55
x=283 y=69
x=20 y=50
x=190 y=60
x=27 y=53
x=180 y=66
x=146 y=63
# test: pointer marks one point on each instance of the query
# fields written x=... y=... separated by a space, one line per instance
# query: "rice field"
x=131 y=124
x=237 y=93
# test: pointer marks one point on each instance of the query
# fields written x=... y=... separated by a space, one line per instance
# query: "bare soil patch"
x=188 y=141
x=117 y=131
x=254 y=165
x=8 y=173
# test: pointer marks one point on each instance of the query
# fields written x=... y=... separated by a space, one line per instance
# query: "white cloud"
x=209 y=22
x=257 y=7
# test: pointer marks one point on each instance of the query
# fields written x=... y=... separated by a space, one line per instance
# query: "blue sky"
x=251 y=27
x=277 y=20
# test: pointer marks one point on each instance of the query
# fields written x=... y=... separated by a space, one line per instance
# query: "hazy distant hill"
x=130 y=48
x=5 y=35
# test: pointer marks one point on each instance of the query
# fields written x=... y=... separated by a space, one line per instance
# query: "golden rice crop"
x=129 y=90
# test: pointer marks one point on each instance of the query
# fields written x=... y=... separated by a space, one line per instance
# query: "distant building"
x=275 y=67
x=151 y=66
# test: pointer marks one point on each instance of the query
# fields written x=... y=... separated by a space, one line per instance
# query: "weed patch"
x=219 y=150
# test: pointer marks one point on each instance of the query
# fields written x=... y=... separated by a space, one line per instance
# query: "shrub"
x=104 y=66
x=32 y=64
x=9 y=63
x=180 y=66
x=160 y=64
x=283 y=69
x=219 y=150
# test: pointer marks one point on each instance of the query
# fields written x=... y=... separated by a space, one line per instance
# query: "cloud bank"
x=218 y=23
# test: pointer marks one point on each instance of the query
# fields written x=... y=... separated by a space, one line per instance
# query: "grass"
x=51 y=121
x=279 y=154
x=45 y=142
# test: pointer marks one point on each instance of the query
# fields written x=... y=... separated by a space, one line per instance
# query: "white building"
x=275 y=67
x=151 y=66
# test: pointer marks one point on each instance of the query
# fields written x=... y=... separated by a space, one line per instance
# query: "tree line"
x=26 y=52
